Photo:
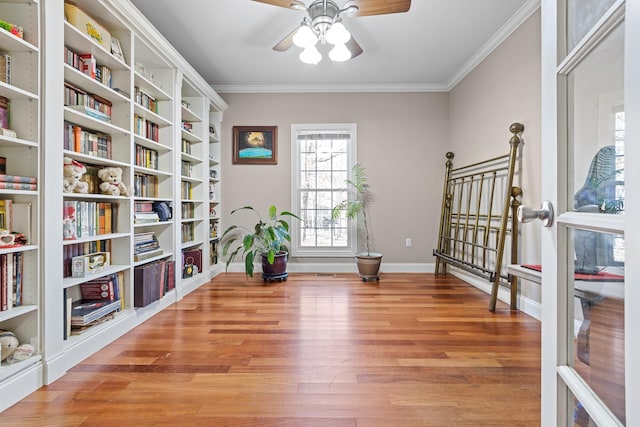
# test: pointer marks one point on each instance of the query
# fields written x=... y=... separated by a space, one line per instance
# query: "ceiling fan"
x=323 y=24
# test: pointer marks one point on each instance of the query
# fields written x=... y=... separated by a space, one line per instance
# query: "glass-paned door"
x=589 y=342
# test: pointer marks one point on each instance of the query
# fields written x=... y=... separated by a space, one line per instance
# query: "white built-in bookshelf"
x=140 y=97
x=214 y=191
x=20 y=301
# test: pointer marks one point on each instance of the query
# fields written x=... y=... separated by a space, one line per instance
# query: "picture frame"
x=116 y=49
x=255 y=145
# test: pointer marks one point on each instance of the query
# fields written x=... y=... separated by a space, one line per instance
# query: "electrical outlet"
x=407 y=242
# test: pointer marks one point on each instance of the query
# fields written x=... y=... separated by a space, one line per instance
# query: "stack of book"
x=87 y=103
x=144 y=213
x=101 y=298
x=145 y=246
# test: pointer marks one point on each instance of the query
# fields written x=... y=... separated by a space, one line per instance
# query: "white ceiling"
x=430 y=47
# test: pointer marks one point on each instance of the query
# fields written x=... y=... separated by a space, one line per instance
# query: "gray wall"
x=505 y=88
x=402 y=138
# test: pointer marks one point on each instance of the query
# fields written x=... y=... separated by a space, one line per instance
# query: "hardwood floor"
x=316 y=350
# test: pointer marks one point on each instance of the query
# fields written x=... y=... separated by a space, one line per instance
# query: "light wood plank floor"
x=316 y=350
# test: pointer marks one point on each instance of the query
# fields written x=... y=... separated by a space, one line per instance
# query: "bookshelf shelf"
x=95 y=238
x=7 y=141
x=14 y=92
x=151 y=116
x=11 y=43
x=189 y=136
x=77 y=78
x=155 y=172
x=24 y=248
x=8 y=371
x=77 y=41
x=152 y=259
x=148 y=143
x=17 y=311
x=148 y=86
x=189 y=116
x=93 y=124
x=94 y=160
x=68 y=282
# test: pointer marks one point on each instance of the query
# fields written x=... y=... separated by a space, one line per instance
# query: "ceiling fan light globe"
x=305 y=37
x=310 y=55
x=338 y=34
x=339 y=53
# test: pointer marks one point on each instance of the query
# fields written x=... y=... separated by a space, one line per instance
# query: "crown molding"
x=503 y=33
x=330 y=88
x=528 y=9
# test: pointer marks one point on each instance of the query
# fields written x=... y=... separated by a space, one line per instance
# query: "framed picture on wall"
x=255 y=145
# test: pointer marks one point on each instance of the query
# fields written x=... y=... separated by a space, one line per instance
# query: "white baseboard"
x=526 y=305
x=350 y=267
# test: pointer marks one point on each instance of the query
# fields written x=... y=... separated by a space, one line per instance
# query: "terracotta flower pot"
x=277 y=270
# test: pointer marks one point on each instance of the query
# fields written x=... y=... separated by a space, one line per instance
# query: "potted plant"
x=266 y=239
x=355 y=207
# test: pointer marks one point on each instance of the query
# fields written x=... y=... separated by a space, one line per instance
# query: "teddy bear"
x=112 y=182
x=73 y=172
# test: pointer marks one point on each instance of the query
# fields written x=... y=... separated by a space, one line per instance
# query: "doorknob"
x=545 y=213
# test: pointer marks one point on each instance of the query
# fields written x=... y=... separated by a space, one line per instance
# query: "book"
x=5 y=68
x=86 y=311
x=146 y=255
x=18 y=186
x=5 y=214
x=4 y=112
x=17 y=178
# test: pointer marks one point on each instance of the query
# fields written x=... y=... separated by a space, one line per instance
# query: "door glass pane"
x=582 y=16
x=598 y=318
x=596 y=126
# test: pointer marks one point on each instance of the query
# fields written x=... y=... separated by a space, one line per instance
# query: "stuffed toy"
x=112 y=182
x=73 y=172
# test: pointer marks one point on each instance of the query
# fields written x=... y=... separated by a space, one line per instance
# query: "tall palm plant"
x=357 y=202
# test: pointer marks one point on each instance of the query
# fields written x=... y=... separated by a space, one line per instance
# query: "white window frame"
x=295 y=247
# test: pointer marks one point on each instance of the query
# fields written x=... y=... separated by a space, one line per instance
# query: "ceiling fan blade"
x=283 y=3
x=285 y=43
x=379 y=7
x=353 y=47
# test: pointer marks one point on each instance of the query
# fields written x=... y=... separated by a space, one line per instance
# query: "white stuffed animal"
x=73 y=172
x=112 y=182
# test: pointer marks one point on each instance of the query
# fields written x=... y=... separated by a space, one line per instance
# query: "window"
x=322 y=158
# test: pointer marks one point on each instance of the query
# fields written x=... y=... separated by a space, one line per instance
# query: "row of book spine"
x=144 y=99
x=145 y=185
x=86 y=141
x=188 y=232
x=152 y=281
x=74 y=96
x=86 y=219
x=186 y=168
x=11 y=280
x=86 y=63
x=186 y=190
x=146 y=128
x=146 y=157
x=188 y=211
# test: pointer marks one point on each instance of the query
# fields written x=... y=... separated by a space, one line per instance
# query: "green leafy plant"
x=266 y=238
x=357 y=201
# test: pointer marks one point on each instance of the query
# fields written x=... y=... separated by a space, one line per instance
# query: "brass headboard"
x=479 y=204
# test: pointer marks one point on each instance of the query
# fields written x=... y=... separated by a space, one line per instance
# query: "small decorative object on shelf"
x=14 y=29
x=94 y=263
x=73 y=172
x=112 y=182
x=8 y=344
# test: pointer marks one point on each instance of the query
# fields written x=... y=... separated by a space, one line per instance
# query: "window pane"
x=598 y=288
x=596 y=128
x=325 y=159
x=582 y=16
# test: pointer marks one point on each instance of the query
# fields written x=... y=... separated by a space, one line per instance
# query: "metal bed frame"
x=479 y=204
